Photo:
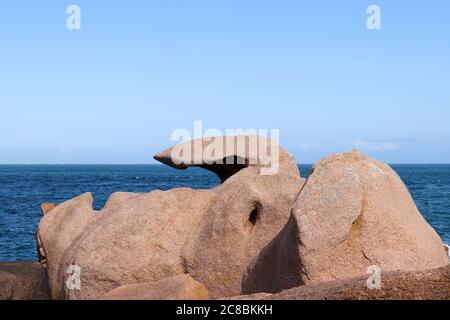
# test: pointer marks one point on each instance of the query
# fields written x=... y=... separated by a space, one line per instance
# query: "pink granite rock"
x=353 y=212
x=212 y=235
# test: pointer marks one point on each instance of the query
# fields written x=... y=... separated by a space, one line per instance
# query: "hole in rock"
x=253 y=217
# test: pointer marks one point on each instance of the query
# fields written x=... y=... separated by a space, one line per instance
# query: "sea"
x=24 y=187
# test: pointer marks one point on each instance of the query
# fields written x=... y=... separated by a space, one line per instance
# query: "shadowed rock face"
x=212 y=235
x=45 y=208
x=353 y=212
x=23 y=281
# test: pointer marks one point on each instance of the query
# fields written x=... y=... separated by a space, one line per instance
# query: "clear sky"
x=114 y=91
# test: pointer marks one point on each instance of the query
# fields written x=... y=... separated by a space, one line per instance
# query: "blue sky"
x=114 y=91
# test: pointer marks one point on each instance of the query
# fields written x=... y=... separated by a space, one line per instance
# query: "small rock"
x=181 y=287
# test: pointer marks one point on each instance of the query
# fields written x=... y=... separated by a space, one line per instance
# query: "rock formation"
x=212 y=235
x=263 y=229
x=353 y=212
x=395 y=285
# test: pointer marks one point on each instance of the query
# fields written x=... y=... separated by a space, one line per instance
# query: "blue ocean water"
x=24 y=187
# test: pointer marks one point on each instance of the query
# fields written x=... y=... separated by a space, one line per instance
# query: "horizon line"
x=162 y=164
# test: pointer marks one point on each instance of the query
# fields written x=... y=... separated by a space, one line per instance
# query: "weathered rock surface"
x=228 y=155
x=353 y=212
x=23 y=281
x=262 y=230
x=395 y=285
x=181 y=287
x=212 y=235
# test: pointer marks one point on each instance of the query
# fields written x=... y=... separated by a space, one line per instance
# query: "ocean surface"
x=24 y=187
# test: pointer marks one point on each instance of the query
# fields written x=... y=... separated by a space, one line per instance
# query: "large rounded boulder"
x=352 y=213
